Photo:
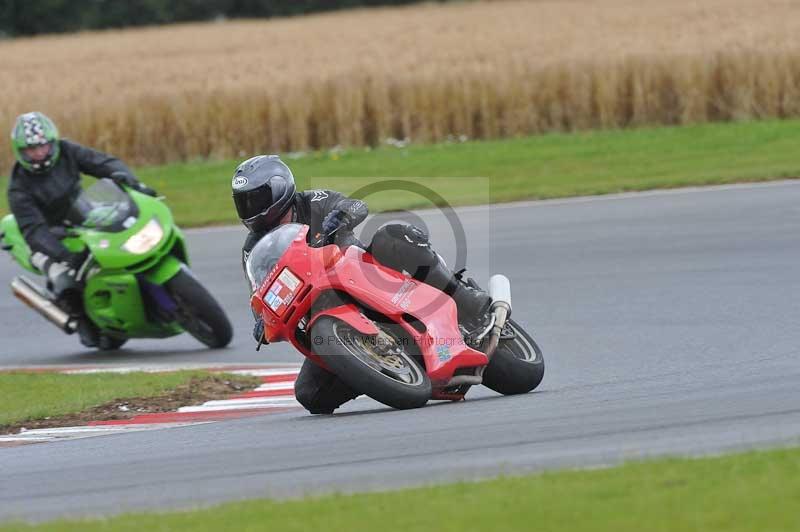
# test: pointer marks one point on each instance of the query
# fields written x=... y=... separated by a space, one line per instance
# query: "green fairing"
x=107 y=247
x=165 y=270
x=19 y=248
x=113 y=297
x=114 y=303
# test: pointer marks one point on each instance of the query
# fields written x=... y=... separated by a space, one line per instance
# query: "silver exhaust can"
x=500 y=290
x=33 y=296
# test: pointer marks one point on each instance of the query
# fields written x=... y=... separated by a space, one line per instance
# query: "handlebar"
x=321 y=239
x=125 y=180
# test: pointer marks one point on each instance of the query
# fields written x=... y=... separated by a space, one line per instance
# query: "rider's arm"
x=249 y=243
x=258 y=327
x=33 y=225
x=96 y=163
x=99 y=164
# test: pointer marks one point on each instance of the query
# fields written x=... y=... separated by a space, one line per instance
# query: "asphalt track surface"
x=668 y=321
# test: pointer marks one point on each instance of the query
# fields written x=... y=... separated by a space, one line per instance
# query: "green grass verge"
x=547 y=166
x=26 y=396
x=746 y=492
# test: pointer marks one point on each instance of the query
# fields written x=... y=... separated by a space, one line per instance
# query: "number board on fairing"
x=282 y=292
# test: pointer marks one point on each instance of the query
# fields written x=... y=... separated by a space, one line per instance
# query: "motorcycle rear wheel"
x=388 y=374
x=110 y=343
x=517 y=366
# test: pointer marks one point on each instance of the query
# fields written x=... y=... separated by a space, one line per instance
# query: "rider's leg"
x=319 y=390
x=406 y=248
x=61 y=280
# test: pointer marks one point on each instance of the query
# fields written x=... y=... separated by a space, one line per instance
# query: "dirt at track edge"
x=197 y=391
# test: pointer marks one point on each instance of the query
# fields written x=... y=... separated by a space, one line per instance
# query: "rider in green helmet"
x=44 y=183
x=34 y=140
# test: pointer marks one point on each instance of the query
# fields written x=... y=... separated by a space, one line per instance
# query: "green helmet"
x=35 y=129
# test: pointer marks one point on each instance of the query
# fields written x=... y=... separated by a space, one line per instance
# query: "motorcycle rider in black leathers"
x=45 y=181
x=265 y=196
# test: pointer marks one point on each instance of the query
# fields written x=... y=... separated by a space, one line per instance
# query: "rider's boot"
x=61 y=276
x=473 y=303
x=62 y=282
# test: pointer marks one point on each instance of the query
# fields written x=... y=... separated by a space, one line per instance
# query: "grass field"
x=747 y=492
x=27 y=396
x=547 y=166
x=479 y=69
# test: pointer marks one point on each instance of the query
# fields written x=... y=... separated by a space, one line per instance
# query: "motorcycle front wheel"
x=198 y=312
x=379 y=368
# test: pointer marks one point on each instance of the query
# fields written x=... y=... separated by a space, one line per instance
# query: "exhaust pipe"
x=500 y=292
x=33 y=296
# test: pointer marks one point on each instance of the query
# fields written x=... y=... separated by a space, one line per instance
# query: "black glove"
x=333 y=221
x=130 y=181
x=144 y=189
x=124 y=178
x=258 y=331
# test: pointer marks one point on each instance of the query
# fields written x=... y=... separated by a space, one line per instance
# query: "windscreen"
x=104 y=206
x=269 y=250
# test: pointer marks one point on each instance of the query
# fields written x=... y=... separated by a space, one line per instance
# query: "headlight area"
x=146 y=239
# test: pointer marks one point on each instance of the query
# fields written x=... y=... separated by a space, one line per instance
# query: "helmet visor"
x=253 y=202
x=38 y=153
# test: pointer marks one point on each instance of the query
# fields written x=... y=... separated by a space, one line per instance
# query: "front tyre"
x=198 y=312
x=376 y=366
x=517 y=366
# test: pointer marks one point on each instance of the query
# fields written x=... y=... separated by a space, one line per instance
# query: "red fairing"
x=304 y=273
x=349 y=314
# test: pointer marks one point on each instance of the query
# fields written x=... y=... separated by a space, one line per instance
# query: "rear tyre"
x=109 y=343
x=198 y=312
x=517 y=366
x=382 y=370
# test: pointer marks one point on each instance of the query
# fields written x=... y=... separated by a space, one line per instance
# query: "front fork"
x=152 y=286
x=162 y=305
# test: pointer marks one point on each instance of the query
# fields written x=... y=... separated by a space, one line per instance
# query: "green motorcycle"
x=136 y=282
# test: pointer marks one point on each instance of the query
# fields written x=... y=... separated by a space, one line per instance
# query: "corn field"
x=426 y=73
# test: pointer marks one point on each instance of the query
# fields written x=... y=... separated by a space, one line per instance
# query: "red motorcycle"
x=383 y=333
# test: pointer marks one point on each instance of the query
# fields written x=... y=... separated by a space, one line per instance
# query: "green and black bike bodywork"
x=136 y=281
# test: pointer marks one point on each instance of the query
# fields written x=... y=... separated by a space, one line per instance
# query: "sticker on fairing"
x=443 y=352
x=282 y=292
x=402 y=297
